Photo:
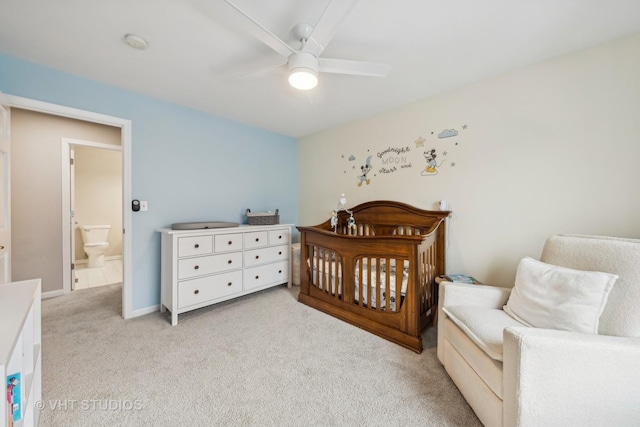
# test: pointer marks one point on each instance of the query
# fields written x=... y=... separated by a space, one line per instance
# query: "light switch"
x=144 y=206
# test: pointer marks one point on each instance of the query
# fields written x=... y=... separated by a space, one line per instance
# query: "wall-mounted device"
x=135 y=205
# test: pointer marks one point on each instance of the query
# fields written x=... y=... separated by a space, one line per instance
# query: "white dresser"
x=204 y=267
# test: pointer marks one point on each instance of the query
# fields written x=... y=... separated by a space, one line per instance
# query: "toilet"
x=96 y=243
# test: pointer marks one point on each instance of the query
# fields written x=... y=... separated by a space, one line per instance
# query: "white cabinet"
x=20 y=354
x=204 y=267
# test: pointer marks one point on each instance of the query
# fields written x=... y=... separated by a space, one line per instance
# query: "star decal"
x=419 y=142
x=453 y=164
x=444 y=153
x=465 y=126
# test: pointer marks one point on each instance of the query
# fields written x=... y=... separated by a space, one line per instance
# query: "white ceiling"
x=195 y=45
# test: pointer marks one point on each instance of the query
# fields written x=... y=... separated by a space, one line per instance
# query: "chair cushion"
x=621 y=315
x=483 y=326
x=552 y=297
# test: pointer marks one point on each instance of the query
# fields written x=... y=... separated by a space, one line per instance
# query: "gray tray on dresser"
x=202 y=225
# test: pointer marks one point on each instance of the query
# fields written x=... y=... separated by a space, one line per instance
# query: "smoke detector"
x=136 y=42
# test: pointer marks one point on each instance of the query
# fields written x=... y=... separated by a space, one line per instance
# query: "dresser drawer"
x=265 y=255
x=228 y=242
x=192 y=267
x=196 y=291
x=256 y=239
x=255 y=277
x=279 y=237
x=195 y=245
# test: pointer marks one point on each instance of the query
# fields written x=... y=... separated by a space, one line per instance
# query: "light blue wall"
x=189 y=165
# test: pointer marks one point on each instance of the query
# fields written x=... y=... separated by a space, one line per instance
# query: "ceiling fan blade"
x=257 y=73
x=334 y=13
x=263 y=34
x=356 y=68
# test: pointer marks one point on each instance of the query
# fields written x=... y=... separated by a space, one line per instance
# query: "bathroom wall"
x=98 y=195
x=36 y=196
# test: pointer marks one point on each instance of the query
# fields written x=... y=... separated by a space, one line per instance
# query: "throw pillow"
x=552 y=297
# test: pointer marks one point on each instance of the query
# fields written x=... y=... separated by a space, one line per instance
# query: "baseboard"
x=107 y=258
x=143 y=311
x=53 y=294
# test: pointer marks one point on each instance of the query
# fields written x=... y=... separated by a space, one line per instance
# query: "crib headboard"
x=385 y=218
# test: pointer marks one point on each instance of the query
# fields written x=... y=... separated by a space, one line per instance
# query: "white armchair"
x=513 y=374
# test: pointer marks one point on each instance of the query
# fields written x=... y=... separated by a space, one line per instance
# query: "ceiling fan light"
x=303 y=78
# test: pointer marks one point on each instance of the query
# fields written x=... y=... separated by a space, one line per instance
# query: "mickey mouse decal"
x=432 y=165
x=365 y=170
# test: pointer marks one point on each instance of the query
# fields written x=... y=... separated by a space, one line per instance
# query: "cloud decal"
x=447 y=133
x=352 y=158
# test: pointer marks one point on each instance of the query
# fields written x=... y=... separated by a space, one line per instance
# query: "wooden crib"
x=380 y=275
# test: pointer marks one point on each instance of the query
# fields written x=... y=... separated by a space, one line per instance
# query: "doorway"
x=125 y=127
x=93 y=201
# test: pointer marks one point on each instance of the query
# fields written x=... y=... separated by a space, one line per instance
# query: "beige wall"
x=98 y=195
x=552 y=148
x=36 y=198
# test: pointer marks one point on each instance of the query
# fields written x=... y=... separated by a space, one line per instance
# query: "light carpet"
x=260 y=360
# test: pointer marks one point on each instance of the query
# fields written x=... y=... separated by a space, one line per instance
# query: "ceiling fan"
x=304 y=63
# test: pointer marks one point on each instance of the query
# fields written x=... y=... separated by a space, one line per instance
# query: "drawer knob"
x=279 y=271
x=196 y=292
x=280 y=253
x=257 y=239
x=257 y=256
x=229 y=262
x=229 y=284
x=229 y=242
x=257 y=277
x=196 y=246
x=279 y=237
x=196 y=267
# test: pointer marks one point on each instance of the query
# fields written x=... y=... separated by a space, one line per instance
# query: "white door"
x=5 y=194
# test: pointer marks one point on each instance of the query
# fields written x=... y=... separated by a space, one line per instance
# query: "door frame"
x=125 y=126
x=68 y=252
x=5 y=180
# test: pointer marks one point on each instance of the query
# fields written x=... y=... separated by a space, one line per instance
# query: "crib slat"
x=314 y=262
x=337 y=274
x=432 y=278
x=360 y=286
x=399 y=283
x=322 y=267
x=382 y=281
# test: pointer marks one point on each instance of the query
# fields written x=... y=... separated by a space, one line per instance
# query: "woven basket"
x=263 y=218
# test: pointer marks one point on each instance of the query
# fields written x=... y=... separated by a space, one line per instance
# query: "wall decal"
x=432 y=165
x=365 y=171
x=447 y=133
x=394 y=159
x=351 y=158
